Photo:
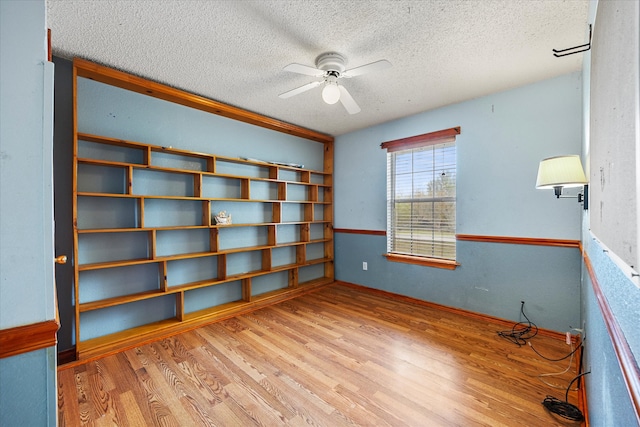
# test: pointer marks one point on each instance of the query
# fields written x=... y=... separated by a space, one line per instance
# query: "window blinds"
x=421 y=200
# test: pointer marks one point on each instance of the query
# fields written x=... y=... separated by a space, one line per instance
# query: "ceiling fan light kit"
x=331 y=92
x=331 y=67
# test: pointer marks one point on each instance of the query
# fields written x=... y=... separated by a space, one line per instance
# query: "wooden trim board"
x=23 y=339
x=566 y=243
x=137 y=84
x=431 y=138
x=626 y=359
x=358 y=231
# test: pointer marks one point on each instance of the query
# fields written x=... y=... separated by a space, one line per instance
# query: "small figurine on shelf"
x=222 y=218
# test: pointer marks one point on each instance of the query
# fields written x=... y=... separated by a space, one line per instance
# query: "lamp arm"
x=582 y=197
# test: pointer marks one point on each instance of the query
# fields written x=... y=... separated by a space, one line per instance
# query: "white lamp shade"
x=561 y=171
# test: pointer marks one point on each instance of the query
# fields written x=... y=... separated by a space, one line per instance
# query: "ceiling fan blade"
x=368 y=68
x=300 y=89
x=304 y=69
x=347 y=101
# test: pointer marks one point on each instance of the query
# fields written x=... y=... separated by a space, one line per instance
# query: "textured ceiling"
x=442 y=52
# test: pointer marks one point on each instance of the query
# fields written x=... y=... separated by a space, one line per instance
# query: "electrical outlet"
x=364 y=265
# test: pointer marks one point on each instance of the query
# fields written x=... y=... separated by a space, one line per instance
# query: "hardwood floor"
x=338 y=356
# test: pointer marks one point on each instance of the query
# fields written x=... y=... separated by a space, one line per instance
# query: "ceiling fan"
x=331 y=67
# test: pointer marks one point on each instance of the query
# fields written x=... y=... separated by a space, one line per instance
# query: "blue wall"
x=27 y=381
x=492 y=279
x=28 y=395
x=26 y=167
x=607 y=395
x=503 y=138
x=110 y=111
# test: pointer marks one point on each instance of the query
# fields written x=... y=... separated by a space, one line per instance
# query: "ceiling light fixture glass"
x=331 y=91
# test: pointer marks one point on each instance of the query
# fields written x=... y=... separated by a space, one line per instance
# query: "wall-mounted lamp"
x=560 y=172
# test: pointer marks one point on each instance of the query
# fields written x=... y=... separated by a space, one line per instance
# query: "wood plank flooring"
x=340 y=356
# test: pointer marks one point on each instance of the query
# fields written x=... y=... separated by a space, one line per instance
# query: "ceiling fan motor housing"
x=331 y=62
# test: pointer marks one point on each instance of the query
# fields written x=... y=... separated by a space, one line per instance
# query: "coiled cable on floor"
x=564 y=408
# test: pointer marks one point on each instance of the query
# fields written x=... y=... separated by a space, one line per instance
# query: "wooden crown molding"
x=137 y=84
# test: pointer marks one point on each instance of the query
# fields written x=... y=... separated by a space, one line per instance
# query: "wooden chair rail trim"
x=626 y=360
x=566 y=243
x=23 y=339
x=358 y=231
x=455 y=310
x=137 y=84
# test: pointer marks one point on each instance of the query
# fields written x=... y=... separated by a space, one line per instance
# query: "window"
x=421 y=199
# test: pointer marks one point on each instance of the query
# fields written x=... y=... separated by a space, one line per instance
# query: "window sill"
x=427 y=262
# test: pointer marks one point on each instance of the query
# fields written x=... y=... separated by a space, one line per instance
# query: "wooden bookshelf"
x=149 y=257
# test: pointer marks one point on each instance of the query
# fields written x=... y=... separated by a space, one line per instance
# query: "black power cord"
x=564 y=409
x=571 y=354
x=519 y=334
x=521 y=331
x=562 y=358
